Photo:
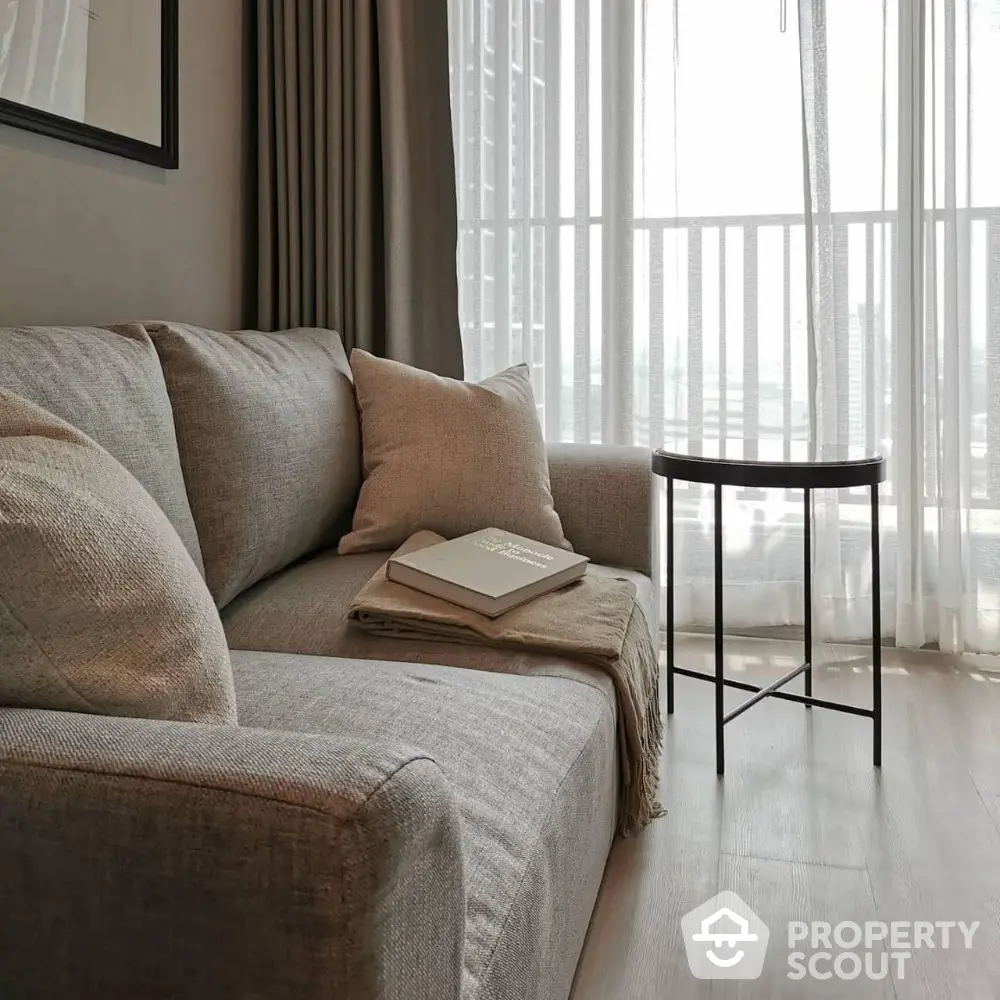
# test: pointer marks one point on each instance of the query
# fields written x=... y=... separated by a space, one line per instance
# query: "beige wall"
x=89 y=238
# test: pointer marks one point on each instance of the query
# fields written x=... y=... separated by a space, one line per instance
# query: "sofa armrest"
x=604 y=495
x=163 y=859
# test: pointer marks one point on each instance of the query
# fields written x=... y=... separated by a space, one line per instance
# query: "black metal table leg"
x=720 y=684
x=876 y=633
x=807 y=580
x=670 y=596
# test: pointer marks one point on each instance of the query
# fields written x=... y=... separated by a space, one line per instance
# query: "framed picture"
x=100 y=73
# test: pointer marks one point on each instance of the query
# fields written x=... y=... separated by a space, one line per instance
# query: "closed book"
x=489 y=571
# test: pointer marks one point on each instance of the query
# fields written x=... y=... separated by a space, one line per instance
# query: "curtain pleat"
x=356 y=215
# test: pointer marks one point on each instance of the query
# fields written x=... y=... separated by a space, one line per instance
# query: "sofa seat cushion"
x=304 y=610
x=532 y=763
x=108 y=384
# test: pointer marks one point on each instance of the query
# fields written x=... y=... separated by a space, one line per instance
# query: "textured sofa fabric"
x=269 y=444
x=169 y=860
x=101 y=607
x=606 y=498
x=108 y=384
x=531 y=762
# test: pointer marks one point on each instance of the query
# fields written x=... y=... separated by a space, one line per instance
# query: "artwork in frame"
x=99 y=73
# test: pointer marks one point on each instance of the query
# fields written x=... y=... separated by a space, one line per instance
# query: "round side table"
x=842 y=471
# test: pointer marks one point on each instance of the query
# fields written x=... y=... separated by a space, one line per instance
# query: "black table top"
x=831 y=469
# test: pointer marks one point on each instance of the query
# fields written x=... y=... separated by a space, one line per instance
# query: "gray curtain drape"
x=356 y=211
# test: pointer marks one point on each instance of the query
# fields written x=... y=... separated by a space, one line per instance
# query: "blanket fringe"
x=641 y=805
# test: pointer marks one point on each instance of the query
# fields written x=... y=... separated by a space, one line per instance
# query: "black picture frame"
x=165 y=155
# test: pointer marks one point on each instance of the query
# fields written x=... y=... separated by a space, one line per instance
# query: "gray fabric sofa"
x=387 y=820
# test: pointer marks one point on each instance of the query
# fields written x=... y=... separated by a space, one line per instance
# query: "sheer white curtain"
x=922 y=382
x=641 y=184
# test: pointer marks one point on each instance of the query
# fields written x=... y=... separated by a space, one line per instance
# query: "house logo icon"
x=725 y=939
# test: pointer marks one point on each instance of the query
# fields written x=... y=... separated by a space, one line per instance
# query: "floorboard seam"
x=982 y=801
x=794 y=861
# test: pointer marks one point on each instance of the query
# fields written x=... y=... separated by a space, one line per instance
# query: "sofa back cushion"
x=269 y=442
x=101 y=606
x=108 y=384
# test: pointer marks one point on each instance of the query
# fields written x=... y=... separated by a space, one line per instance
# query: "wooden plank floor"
x=803 y=828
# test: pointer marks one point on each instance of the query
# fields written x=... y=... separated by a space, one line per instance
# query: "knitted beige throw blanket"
x=596 y=620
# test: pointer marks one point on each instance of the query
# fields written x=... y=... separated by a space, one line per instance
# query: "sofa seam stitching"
x=389 y=777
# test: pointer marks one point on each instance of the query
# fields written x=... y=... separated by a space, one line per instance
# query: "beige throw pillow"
x=448 y=456
x=101 y=606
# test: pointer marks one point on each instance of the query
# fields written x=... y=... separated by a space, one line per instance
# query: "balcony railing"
x=714 y=343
